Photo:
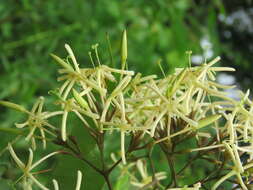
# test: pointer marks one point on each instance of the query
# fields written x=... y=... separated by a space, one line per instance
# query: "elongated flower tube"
x=63 y=125
x=78 y=182
x=72 y=56
x=124 y=50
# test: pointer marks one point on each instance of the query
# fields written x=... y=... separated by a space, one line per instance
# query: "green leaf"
x=65 y=174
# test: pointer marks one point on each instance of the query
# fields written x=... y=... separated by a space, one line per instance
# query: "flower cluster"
x=152 y=111
x=161 y=108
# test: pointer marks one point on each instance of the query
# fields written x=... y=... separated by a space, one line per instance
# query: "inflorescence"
x=151 y=111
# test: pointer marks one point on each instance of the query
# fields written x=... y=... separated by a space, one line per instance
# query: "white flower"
x=36 y=120
x=28 y=175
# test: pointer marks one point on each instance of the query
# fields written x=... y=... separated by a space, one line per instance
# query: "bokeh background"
x=161 y=29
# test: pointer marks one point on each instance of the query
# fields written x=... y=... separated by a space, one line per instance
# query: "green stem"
x=106 y=176
x=100 y=144
x=172 y=169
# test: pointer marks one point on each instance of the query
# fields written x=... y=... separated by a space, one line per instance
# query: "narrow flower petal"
x=123 y=83
x=52 y=114
x=14 y=156
x=14 y=106
x=56 y=186
x=41 y=104
x=30 y=134
x=63 y=126
x=37 y=182
x=21 y=125
x=66 y=93
x=43 y=138
x=141 y=169
x=72 y=56
x=155 y=123
x=79 y=180
x=123 y=147
x=44 y=158
x=30 y=159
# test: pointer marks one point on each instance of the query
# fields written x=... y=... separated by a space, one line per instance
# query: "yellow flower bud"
x=80 y=100
x=124 y=50
x=62 y=62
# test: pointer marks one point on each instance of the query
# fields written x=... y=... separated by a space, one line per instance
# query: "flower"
x=28 y=175
x=90 y=81
x=37 y=119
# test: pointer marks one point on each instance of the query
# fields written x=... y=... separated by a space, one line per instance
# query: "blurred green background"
x=162 y=29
